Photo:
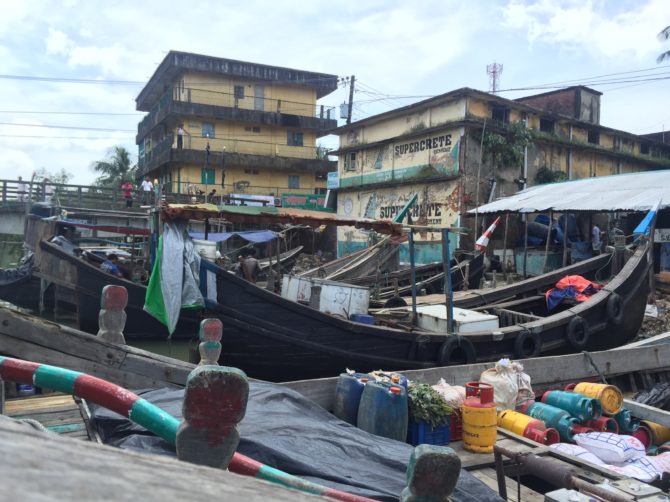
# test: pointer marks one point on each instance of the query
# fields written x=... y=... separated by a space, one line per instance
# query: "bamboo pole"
x=525 y=246
x=546 y=246
x=504 y=255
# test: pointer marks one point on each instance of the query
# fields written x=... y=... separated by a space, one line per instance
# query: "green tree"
x=506 y=148
x=664 y=35
x=115 y=169
x=61 y=177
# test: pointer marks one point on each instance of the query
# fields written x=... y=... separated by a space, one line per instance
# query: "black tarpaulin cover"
x=289 y=432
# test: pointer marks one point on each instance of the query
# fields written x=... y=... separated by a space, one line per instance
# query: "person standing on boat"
x=110 y=265
x=596 y=239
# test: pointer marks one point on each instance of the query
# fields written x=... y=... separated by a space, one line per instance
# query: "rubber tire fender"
x=453 y=343
x=520 y=349
x=615 y=309
x=395 y=301
x=578 y=333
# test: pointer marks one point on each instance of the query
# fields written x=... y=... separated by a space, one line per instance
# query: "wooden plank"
x=647 y=412
x=88 y=471
x=28 y=337
x=544 y=371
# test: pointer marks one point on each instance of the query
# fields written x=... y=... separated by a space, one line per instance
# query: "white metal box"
x=434 y=318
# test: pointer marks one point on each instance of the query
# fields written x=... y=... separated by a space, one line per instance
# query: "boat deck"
x=520 y=485
x=59 y=413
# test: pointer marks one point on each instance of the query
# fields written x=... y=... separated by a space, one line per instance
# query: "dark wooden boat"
x=286 y=260
x=466 y=273
x=363 y=262
x=82 y=282
x=276 y=339
x=18 y=286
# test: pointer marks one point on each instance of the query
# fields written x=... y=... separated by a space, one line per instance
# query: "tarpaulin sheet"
x=285 y=430
x=251 y=236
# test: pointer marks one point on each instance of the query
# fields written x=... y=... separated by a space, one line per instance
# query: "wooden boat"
x=286 y=260
x=18 y=286
x=466 y=273
x=363 y=262
x=275 y=339
x=631 y=367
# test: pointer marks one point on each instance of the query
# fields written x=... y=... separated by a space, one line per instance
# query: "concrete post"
x=432 y=474
x=211 y=331
x=112 y=317
x=215 y=401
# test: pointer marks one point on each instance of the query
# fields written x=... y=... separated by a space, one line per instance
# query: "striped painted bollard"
x=210 y=341
x=432 y=474
x=112 y=317
x=215 y=401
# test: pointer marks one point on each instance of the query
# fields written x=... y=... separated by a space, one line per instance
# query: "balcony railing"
x=230 y=100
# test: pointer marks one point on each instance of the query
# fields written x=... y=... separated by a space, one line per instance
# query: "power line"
x=55 y=137
x=69 y=127
x=69 y=113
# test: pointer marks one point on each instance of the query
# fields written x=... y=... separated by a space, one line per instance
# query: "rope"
x=594 y=366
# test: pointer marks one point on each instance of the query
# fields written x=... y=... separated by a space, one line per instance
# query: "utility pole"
x=351 y=98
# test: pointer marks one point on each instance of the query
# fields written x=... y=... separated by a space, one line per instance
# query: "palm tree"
x=115 y=169
x=664 y=35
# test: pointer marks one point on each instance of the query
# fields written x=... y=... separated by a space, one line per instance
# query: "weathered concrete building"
x=434 y=149
x=260 y=122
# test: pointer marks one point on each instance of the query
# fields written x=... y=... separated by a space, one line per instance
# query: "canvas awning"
x=622 y=192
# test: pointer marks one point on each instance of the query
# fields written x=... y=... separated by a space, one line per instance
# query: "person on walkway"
x=48 y=191
x=596 y=239
x=147 y=189
x=128 y=188
x=211 y=196
x=22 y=190
x=180 y=136
x=110 y=265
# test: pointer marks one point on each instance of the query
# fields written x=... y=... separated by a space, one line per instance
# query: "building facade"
x=440 y=149
x=238 y=127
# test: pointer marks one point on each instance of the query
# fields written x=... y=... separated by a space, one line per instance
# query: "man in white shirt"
x=22 y=190
x=147 y=189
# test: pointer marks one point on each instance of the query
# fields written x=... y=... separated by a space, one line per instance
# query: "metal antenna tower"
x=494 y=70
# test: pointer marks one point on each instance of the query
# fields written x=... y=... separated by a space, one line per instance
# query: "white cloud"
x=592 y=27
x=58 y=43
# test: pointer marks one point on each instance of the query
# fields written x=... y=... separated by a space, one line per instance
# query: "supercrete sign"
x=437 y=144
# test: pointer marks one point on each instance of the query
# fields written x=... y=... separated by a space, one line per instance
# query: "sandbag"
x=525 y=393
x=577 y=451
x=454 y=395
x=610 y=447
x=633 y=470
x=505 y=382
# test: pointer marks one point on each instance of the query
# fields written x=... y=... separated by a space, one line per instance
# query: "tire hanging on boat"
x=578 y=333
x=527 y=344
x=614 y=308
x=395 y=301
x=456 y=344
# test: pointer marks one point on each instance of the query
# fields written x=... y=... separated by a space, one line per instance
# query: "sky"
x=77 y=66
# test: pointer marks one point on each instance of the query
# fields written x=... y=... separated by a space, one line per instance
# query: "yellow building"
x=237 y=127
x=432 y=148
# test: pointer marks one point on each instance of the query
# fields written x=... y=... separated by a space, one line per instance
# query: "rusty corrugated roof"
x=268 y=215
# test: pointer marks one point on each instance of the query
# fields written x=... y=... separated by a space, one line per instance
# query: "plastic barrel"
x=610 y=397
x=348 y=396
x=383 y=410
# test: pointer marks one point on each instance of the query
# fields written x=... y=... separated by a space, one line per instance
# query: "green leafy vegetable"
x=426 y=404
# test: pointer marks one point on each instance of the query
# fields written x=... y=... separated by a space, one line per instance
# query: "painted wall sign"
x=304 y=201
x=439 y=143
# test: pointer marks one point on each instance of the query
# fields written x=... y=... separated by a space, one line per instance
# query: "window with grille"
x=207 y=130
x=239 y=92
x=294 y=138
x=294 y=181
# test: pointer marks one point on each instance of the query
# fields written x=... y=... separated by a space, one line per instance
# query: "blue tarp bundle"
x=252 y=236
